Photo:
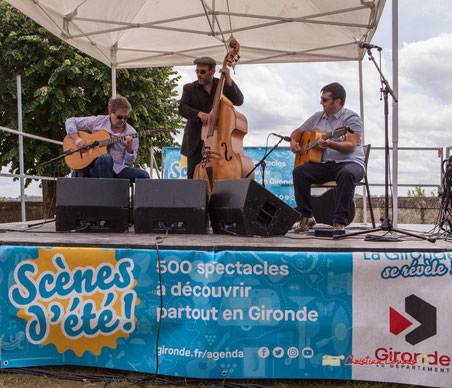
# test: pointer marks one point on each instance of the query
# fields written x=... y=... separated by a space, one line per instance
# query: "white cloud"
x=278 y=98
x=11 y=188
x=427 y=65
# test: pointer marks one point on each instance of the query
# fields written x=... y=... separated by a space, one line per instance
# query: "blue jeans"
x=346 y=175
x=103 y=168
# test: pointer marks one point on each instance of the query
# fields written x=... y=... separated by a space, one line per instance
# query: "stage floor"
x=20 y=234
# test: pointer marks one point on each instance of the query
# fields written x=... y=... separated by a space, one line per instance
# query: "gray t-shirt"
x=345 y=117
x=118 y=150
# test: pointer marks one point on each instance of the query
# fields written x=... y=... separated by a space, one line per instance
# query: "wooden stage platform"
x=22 y=235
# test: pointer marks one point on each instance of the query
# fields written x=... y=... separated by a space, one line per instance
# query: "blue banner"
x=230 y=314
x=223 y=314
x=277 y=175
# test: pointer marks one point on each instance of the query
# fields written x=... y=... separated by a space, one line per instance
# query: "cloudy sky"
x=278 y=98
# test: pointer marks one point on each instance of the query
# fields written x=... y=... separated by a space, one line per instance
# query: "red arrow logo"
x=397 y=323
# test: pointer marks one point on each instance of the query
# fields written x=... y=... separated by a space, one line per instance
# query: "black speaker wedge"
x=92 y=204
x=244 y=207
x=173 y=205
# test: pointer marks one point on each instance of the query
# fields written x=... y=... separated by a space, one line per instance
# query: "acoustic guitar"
x=309 y=144
x=96 y=145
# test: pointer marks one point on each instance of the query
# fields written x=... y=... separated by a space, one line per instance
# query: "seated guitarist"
x=113 y=163
x=342 y=158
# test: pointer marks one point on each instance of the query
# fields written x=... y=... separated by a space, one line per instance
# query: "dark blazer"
x=195 y=99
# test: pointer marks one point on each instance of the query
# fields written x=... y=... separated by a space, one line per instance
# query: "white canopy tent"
x=143 y=33
x=148 y=33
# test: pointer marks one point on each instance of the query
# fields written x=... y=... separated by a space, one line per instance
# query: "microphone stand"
x=386 y=224
x=59 y=160
x=262 y=162
x=70 y=152
x=56 y=159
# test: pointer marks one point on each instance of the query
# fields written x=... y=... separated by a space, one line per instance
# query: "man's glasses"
x=201 y=71
x=324 y=99
x=120 y=117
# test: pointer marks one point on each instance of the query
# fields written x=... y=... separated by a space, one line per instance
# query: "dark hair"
x=336 y=90
x=119 y=102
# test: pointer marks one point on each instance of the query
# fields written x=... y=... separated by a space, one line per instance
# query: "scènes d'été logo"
x=178 y=169
x=75 y=298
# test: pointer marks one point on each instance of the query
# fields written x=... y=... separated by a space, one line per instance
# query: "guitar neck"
x=117 y=139
x=326 y=136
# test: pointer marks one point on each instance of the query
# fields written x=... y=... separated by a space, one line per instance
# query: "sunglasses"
x=120 y=117
x=201 y=71
x=324 y=99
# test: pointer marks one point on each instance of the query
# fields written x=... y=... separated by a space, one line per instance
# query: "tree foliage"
x=58 y=81
x=418 y=191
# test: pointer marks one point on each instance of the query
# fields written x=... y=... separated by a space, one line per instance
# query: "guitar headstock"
x=233 y=55
x=158 y=131
x=342 y=131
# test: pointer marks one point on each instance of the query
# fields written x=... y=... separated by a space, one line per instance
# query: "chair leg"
x=131 y=203
x=369 y=201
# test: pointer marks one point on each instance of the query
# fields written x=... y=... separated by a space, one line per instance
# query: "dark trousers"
x=346 y=175
x=193 y=160
x=103 y=168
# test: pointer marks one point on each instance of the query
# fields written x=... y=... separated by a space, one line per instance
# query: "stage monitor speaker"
x=244 y=207
x=173 y=205
x=324 y=203
x=92 y=204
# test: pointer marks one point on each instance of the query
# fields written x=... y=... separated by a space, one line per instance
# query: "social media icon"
x=278 y=352
x=293 y=352
x=307 y=352
x=263 y=352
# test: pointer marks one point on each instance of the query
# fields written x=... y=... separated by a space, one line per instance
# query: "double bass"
x=222 y=154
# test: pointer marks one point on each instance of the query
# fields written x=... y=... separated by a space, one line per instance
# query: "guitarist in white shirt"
x=113 y=163
x=342 y=158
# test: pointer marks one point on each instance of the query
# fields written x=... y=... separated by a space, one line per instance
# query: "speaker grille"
x=244 y=207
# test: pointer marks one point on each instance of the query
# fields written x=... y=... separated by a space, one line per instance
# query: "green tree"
x=58 y=81
x=416 y=192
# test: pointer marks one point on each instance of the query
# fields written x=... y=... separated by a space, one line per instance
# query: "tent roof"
x=143 y=33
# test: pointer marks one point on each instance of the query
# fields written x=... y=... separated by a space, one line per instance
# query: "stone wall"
x=412 y=210
x=10 y=211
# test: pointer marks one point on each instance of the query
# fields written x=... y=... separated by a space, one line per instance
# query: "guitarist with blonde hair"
x=342 y=158
x=113 y=163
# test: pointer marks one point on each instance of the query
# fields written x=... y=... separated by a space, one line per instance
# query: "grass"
x=26 y=378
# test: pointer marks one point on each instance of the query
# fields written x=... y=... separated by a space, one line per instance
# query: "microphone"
x=369 y=46
x=286 y=138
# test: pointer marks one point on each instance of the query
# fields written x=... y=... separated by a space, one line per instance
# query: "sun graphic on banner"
x=78 y=299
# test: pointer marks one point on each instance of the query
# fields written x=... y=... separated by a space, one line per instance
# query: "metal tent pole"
x=395 y=109
x=21 y=148
x=361 y=107
x=114 y=52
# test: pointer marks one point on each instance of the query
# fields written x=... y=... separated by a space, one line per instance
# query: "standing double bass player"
x=196 y=104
